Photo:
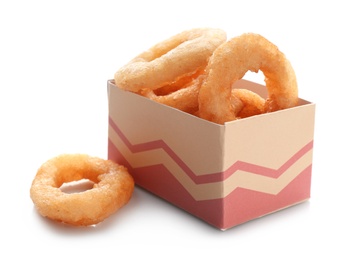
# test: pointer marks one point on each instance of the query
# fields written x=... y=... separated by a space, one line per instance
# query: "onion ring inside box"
x=223 y=174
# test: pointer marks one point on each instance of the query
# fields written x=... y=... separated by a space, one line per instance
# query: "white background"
x=55 y=60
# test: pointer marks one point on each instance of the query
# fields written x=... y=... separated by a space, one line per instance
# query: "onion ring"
x=169 y=60
x=185 y=98
x=112 y=189
x=251 y=103
x=178 y=84
x=230 y=62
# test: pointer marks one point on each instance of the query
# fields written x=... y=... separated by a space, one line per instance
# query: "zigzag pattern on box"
x=259 y=178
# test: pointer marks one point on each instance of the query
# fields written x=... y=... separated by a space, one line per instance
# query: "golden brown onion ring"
x=169 y=60
x=230 y=62
x=183 y=97
x=112 y=189
x=251 y=103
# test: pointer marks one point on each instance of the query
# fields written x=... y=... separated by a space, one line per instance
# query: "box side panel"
x=272 y=169
x=166 y=153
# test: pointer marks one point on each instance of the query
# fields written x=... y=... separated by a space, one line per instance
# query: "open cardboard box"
x=223 y=174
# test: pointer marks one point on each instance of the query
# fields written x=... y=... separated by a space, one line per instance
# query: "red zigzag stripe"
x=212 y=177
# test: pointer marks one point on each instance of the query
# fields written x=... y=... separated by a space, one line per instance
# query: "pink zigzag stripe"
x=212 y=177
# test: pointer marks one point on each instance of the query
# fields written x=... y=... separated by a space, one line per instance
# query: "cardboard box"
x=223 y=174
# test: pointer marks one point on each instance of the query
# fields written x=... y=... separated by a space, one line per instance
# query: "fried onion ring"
x=182 y=82
x=230 y=62
x=169 y=60
x=251 y=103
x=112 y=189
x=183 y=97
